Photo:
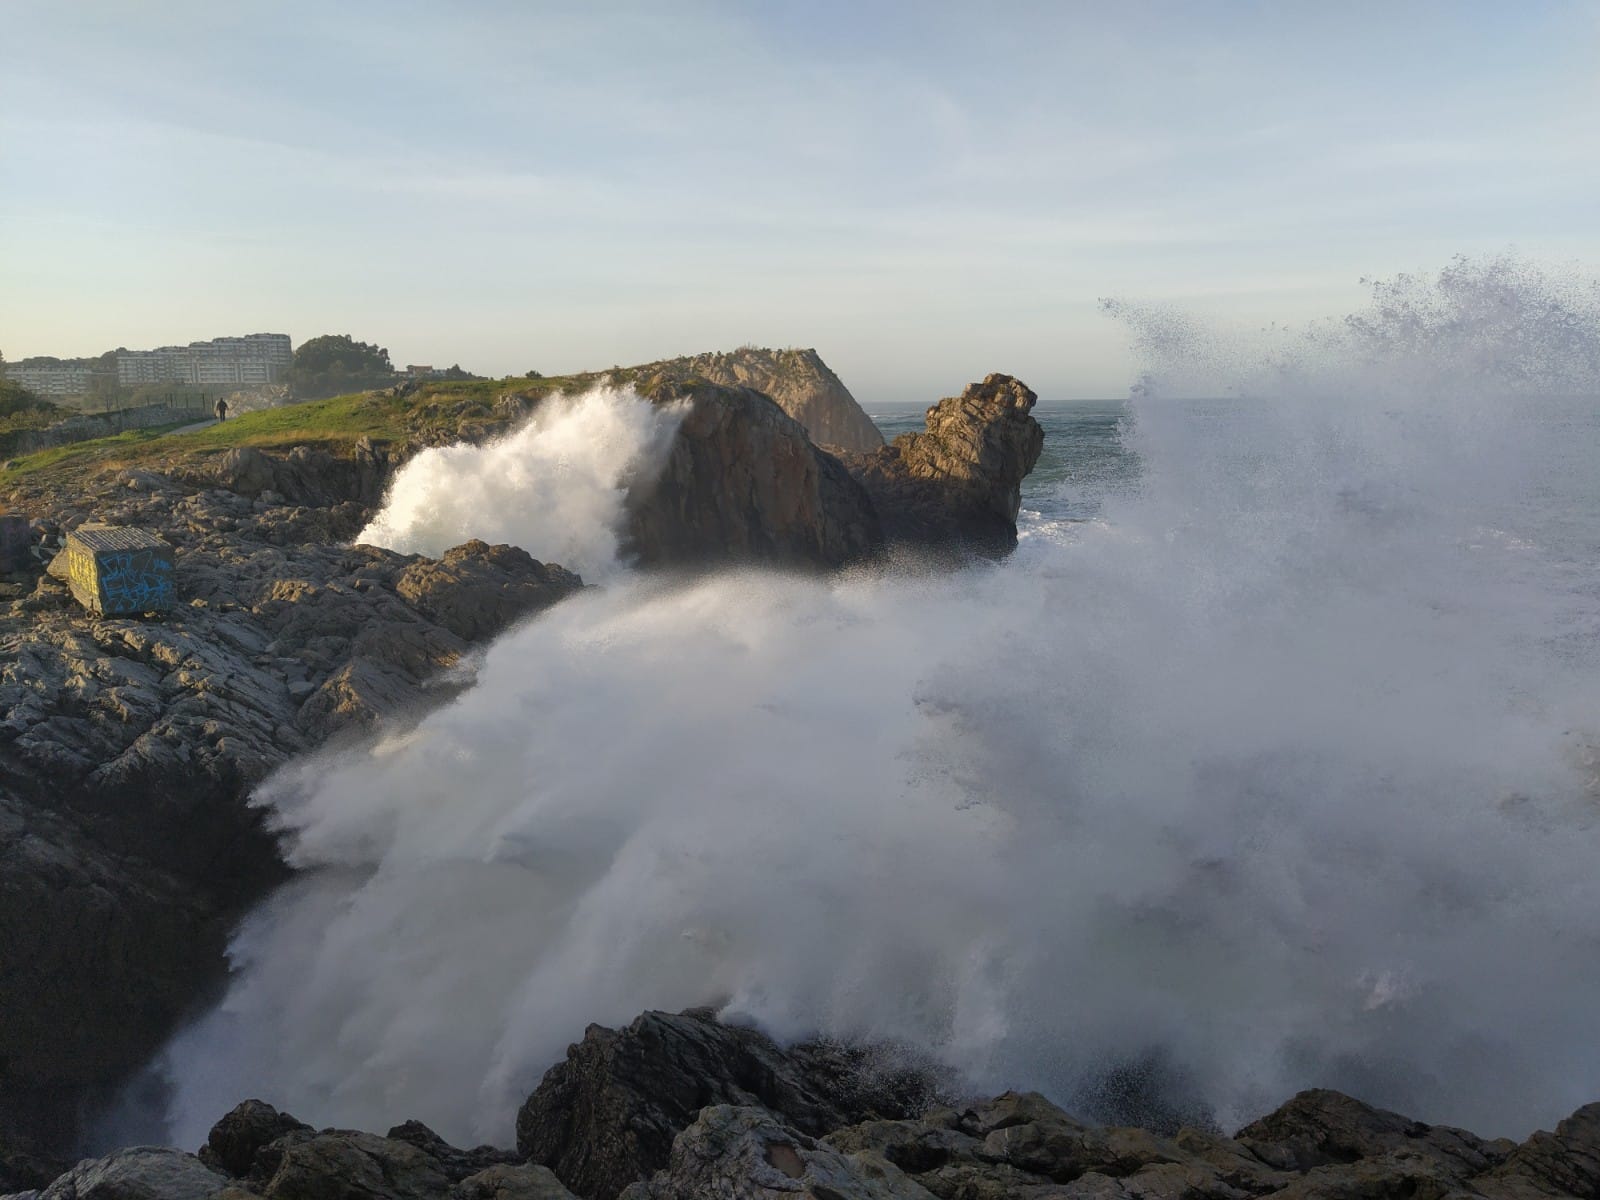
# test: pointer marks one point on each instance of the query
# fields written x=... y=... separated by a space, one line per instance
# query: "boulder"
x=235 y=1142
x=607 y=1116
x=739 y=1153
x=476 y=590
x=743 y=483
x=335 y=1164
x=139 y=1173
x=511 y=1181
x=1319 y=1127
x=958 y=483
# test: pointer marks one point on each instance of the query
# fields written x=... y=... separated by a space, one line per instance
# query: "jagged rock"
x=799 y=381
x=245 y=470
x=1563 y=1163
x=128 y=748
x=139 y=1173
x=607 y=1116
x=306 y=475
x=507 y=1181
x=743 y=483
x=476 y=590
x=960 y=481
x=1319 y=1127
x=235 y=1141
x=336 y=1164
x=744 y=1153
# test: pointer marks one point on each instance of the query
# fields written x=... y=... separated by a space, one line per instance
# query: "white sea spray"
x=1278 y=774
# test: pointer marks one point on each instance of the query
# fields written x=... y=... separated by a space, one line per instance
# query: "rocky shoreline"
x=681 y=1106
x=129 y=748
x=128 y=848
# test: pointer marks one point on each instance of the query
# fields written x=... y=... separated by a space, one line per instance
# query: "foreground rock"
x=607 y=1116
x=128 y=747
x=799 y=382
x=960 y=481
x=679 y=1107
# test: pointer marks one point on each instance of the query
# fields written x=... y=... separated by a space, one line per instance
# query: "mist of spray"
x=1275 y=776
x=554 y=486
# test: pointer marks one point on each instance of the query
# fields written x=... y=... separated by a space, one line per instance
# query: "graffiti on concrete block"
x=135 y=581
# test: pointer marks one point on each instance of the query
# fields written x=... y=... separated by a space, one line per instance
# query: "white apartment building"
x=221 y=362
x=64 y=380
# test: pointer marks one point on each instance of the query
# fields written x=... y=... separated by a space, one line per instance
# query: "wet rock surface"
x=958 y=483
x=128 y=746
x=679 y=1106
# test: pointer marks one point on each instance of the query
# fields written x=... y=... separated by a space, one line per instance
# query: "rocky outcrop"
x=128 y=747
x=476 y=590
x=139 y=1173
x=607 y=1116
x=746 y=1152
x=680 y=1107
x=256 y=1151
x=743 y=483
x=960 y=481
x=797 y=380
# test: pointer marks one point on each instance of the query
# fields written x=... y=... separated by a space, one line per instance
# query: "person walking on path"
x=222 y=410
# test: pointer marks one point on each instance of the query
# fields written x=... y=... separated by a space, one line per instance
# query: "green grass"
x=452 y=406
x=121 y=446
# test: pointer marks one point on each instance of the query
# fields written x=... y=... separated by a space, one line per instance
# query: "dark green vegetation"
x=336 y=363
x=21 y=410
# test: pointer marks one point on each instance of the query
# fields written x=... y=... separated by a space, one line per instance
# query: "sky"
x=923 y=191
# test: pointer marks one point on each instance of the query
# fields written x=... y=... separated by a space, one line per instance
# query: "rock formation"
x=607 y=1116
x=743 y=483
x=127 y=748
x=680 y=1107
x=797 y=380
x=960 y=481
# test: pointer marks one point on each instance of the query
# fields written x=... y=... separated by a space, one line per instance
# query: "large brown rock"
x=958 y=483
x=799 y=382
x=743 y=483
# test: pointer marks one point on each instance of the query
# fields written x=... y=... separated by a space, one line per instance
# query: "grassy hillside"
x=335 y=424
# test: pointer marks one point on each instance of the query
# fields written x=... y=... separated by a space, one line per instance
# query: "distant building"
x=66 y=379
x=417 y=372
x=221 y=362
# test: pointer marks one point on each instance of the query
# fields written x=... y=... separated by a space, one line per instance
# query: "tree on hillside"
x=14 y=399
x=336 y=363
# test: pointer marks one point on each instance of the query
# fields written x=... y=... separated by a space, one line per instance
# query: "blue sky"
x=924 y=191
